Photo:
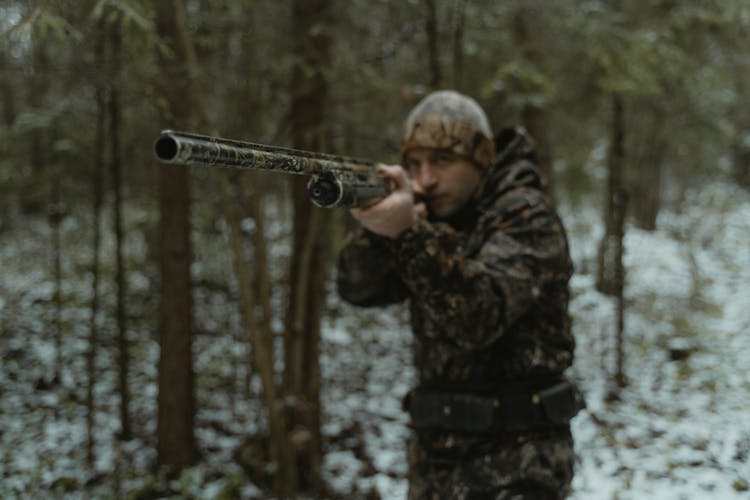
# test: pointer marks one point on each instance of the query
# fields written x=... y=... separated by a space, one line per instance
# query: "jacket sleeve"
x=367 y=271
x=473 y=300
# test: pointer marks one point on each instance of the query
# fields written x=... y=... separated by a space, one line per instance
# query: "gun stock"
x=335 y=181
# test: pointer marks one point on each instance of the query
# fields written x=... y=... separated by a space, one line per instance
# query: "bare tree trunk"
x=98 y=187
x=176 y=405
x=261 y=336
x=458 y=44
x=621 y=201
x=7 y=93
x=741 y=158
x=533 y=116
x=742 y=163
x=606 y=256
x=647 y=170
x=115 y=38
x=8 y=99
x=741 y=121
x=433 y=55
x=32 y=199
x=311 y=228
x=56 y=213
x=611 y=273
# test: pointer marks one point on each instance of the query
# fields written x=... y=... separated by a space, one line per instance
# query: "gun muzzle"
x=166 y=148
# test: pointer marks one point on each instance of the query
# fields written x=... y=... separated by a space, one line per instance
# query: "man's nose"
x=426 y=177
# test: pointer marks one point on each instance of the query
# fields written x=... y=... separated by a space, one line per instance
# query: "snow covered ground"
x=679 y=430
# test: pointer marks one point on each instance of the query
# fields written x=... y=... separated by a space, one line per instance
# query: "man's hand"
x=397 y=212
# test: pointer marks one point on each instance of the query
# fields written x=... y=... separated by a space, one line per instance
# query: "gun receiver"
x=336 y=181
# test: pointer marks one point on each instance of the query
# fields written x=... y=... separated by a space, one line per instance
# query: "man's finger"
x=356 y=213
x=396 y=174
x=421 y=209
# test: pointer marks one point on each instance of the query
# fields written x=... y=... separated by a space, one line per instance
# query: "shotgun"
x=335 y=181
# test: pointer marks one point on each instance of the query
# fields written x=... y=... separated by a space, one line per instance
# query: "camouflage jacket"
x=488 y=289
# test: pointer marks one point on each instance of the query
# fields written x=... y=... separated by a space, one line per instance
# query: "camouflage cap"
x=448 y=120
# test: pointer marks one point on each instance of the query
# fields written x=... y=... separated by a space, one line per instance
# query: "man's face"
x=446 y=181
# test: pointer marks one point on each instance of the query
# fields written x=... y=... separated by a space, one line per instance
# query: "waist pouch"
x=511 y=410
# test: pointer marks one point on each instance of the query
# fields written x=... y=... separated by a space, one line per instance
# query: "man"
x=469 y=237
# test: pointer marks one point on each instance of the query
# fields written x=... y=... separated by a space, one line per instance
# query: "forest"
x=175 y=332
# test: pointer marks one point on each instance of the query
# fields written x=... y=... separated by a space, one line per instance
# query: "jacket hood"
x=514 y=167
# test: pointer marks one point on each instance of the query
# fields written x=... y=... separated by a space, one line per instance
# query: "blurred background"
x=170 y=331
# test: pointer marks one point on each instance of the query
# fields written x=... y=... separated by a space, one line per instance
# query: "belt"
x=510 y=410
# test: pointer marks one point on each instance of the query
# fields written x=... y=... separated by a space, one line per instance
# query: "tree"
x=534 y=113
x=433 y=53
x=176 y=407
x=311 y=22
x=98 y=199
x=611 y=250
x=115 y=42
x=650 y=147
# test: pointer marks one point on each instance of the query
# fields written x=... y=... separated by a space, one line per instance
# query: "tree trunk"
x=7 y=93
x=116 y=172
x=611 y=272
x=647 y=171
x=98 y=187
x=741 y=159
x=34 y=191
x=8 y=100
x=433 y=55
x=311 y=25
x=741 y=122
x=55 y=215
x=176 y=405
x=261 y=336
x=621 y=201
x=606 y=257
x=534 y=117
x=458 y=45
x=265 y=344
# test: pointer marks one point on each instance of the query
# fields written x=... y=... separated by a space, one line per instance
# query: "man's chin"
x=442 y=210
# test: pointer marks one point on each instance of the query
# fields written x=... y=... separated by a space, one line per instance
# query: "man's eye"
x=444 y=158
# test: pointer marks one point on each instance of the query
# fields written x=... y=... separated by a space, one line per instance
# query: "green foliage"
x=43 y=23
x=524 y=83
x=629 y=68
x=34 y=120
x=112 y=11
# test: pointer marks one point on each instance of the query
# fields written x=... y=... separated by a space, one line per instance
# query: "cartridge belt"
x=509 y=410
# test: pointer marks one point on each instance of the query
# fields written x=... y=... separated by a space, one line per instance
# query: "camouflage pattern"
x=355 y=180
x=488 y=292
x=532 y=467
x=448 y=120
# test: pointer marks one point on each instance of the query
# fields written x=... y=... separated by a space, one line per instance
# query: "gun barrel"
x=336 y=180
x=166 y=148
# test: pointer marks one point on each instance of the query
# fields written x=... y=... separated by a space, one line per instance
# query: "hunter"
x=468 y=236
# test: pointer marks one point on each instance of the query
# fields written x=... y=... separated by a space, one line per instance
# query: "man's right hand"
x=397 y=212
